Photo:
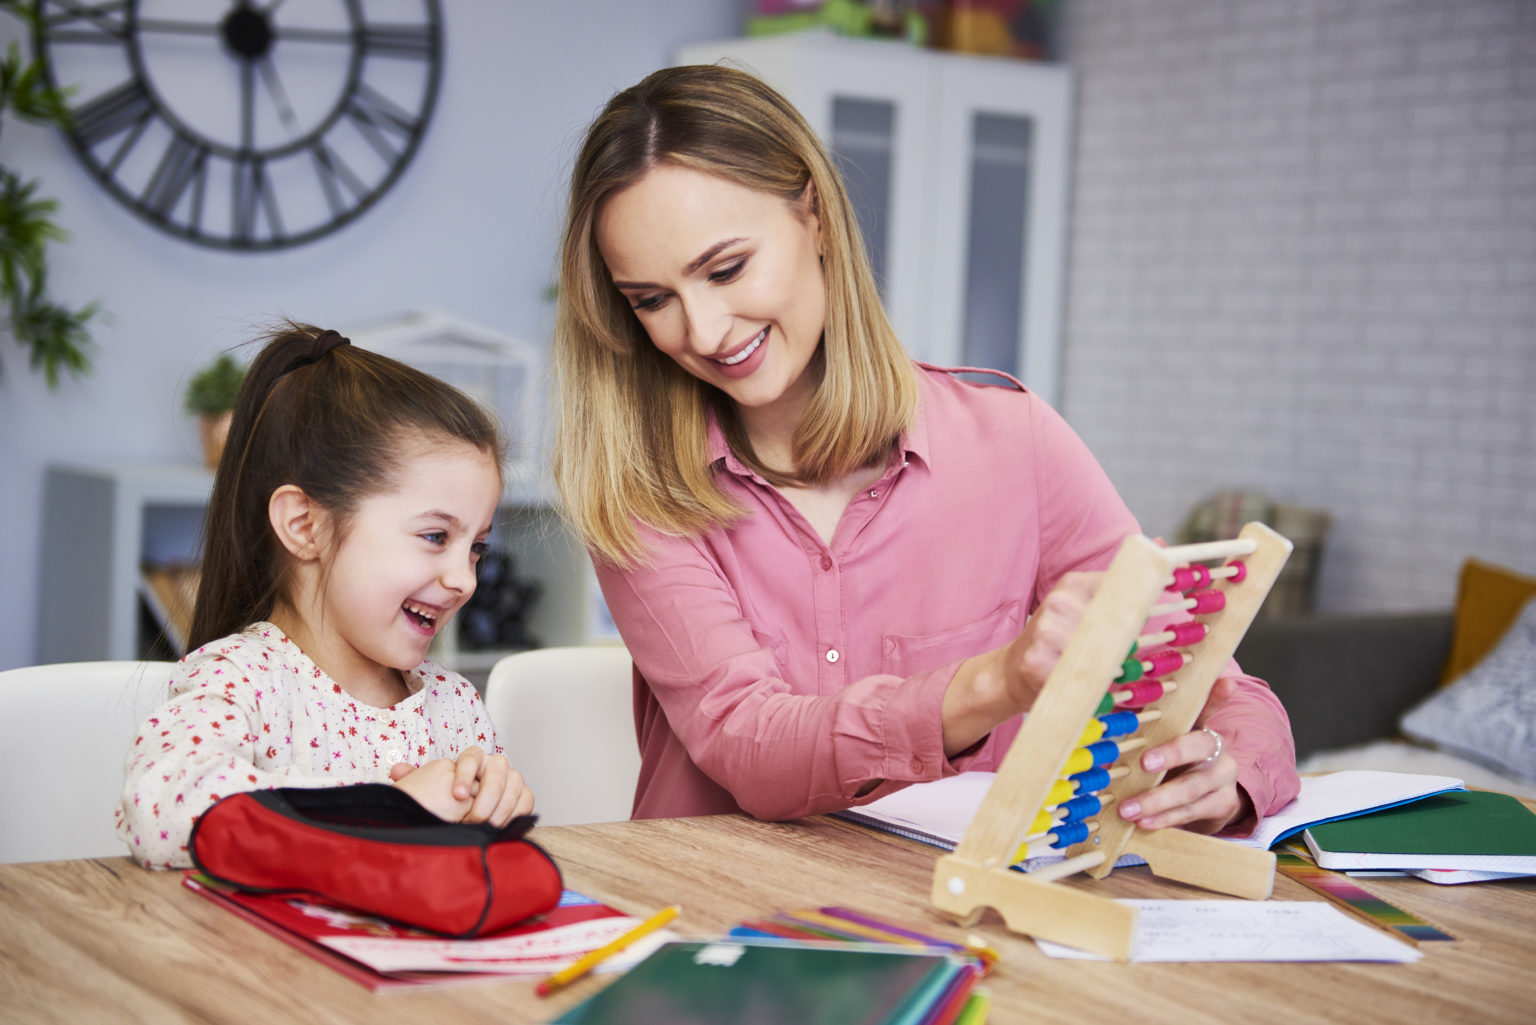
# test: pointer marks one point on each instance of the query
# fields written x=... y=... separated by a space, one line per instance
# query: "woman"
x=838 y=572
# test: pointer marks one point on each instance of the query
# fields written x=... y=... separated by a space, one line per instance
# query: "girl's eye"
x=435 y=537
x=479 y=548
x=728 y=273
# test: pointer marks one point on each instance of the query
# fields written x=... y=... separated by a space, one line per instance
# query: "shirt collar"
x=913 y=441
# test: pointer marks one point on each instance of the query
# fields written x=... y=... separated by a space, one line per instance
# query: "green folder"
x=1468 y=829
x=684 y=983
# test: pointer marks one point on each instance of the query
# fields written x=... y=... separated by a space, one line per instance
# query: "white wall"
x=1304 y=260
x=470 y=228
x=1304 y=249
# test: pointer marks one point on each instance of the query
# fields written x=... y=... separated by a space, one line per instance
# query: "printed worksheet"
x=1250 y=930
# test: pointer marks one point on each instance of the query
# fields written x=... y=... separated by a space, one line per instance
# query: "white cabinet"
x=958 y=167
x=105 y=524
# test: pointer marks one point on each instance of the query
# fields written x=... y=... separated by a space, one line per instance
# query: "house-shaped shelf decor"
x=498 y=370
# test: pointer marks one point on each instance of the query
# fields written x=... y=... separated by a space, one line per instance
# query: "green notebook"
x=770 y=982
x=1472 y=829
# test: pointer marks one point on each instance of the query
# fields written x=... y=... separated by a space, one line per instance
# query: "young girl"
x=350 y=506
x=837 y=572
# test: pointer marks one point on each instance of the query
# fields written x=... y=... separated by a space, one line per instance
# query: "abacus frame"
x=977 y=874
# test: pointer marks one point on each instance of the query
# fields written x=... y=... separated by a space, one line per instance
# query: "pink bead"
x=1185 y=634
x=1208 y=601
x=1163 y=662
x=1138 y=695
x=1239 y=571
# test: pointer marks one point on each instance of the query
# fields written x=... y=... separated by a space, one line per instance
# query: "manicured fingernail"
x=1152 y=762
x=1129 y=810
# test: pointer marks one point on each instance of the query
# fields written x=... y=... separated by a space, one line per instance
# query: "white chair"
x=65 y=729
x=565 y=717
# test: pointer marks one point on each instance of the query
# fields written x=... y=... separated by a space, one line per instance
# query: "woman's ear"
x=810 y=208
x=297 y=521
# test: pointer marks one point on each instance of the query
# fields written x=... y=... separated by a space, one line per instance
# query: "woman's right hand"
x=992 y=688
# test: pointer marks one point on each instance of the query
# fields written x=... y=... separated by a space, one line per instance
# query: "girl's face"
x=726 y=280
x=406 y=561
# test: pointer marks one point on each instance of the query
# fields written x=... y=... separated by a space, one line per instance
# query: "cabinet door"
x=998 y=207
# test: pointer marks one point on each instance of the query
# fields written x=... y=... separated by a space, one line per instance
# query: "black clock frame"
x=248 y=36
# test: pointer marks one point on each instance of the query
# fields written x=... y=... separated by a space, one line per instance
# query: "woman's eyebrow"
x=693 y=266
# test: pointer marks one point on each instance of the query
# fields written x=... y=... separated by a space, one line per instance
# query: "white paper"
x=1248 y=930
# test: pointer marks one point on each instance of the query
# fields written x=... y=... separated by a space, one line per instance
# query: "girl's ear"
x=296 y=520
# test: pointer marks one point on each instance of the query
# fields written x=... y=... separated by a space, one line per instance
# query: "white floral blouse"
x=252 y=711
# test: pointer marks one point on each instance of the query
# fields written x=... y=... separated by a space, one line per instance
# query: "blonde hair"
x=632 y=439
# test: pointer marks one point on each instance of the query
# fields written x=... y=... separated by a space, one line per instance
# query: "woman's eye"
x=435 y=537
x=729 y=273
x=650 y=302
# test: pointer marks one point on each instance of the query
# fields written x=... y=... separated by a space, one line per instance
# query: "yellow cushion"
x=1488 y=598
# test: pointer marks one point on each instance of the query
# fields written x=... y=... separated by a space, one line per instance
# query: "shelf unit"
x=103 y=524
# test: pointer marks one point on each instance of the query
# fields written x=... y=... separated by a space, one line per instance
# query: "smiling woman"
x=838 y=572
x=351 y=504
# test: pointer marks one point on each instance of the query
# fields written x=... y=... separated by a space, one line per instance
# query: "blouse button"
x=394 y=756
x=832 y=655
x=873 y=493
x=826 y=562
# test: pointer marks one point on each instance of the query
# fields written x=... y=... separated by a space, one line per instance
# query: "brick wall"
x=1304 y=261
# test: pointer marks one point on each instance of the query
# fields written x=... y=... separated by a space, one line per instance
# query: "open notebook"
x=939 y=812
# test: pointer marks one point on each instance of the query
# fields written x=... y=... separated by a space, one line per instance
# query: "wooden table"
x=106 y=941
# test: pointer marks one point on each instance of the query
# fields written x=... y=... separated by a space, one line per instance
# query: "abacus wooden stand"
x=977 y=874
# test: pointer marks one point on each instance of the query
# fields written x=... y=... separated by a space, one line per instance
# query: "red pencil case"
x=372 y=848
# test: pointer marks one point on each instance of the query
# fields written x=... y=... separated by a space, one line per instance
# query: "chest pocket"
x=907 y=654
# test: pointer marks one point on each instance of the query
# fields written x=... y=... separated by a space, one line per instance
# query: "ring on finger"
x=1220 y=745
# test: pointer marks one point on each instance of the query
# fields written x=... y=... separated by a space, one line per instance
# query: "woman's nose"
x=708 y=324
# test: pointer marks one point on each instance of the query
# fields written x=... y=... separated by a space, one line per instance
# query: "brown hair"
x=327 y=418
x=632 y=438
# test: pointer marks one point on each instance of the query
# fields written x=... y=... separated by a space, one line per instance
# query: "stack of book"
x=1455 y=837
x=385 y=955
x=789 y=982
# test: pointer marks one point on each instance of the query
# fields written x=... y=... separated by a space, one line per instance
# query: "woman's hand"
x=992 y=688
x=1200 y=793
x=475 y=787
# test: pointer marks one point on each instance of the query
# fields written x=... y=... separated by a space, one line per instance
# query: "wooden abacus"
x=1164 y=683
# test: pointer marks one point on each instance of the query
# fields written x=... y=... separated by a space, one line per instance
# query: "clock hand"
x=279 y=96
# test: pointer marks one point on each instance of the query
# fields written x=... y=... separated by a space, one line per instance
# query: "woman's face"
x=726 y=280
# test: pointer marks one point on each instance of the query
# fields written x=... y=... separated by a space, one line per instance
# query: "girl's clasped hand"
x=475 y=787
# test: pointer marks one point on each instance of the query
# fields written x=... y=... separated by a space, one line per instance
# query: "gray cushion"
x=1488 y=714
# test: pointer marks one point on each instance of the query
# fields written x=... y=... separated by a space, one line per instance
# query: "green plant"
x=212 y=390
x=55 y=334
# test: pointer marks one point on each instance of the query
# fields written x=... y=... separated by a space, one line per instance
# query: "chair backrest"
x=64 y=735
x=565 y=717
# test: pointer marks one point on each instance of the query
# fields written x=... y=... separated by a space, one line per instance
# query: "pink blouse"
x=778 y=675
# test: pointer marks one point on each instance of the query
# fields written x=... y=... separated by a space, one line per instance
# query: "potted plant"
x=55 y=335
x=211 y=396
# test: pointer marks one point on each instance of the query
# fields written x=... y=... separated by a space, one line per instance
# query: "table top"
x=104 y=940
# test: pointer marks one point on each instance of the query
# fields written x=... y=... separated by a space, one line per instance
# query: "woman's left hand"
x=1200 y=792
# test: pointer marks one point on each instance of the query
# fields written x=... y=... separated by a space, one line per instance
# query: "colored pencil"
x=587 y=962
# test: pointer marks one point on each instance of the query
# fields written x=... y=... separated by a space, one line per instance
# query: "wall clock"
x=240 y=124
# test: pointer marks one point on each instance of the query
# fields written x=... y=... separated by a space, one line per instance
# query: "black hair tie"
x=325 y=341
